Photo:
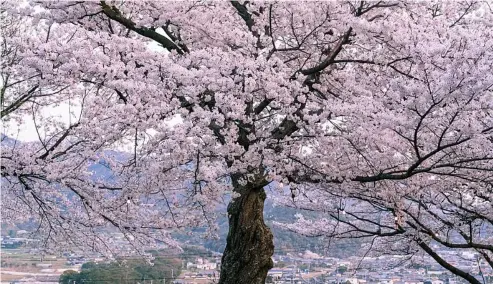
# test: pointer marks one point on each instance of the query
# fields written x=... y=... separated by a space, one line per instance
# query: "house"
x=275 y=273
x=207 y=266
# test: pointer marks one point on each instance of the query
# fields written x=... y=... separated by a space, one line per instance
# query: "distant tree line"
x=163 y=270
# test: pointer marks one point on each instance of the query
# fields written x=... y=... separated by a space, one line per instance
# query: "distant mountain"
x=7 y=141
x=285 y=242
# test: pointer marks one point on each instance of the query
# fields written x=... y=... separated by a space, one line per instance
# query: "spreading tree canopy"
x=377 y=115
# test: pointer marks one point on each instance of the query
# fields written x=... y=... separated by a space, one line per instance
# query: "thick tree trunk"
x=250 y=246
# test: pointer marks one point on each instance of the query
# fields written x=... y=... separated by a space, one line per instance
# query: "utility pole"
x=292 y=272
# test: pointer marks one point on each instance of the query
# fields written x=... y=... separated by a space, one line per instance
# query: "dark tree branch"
x=245 y=15
x=331 y=57
x=115 y=14
x=445 y=264
x=58 y=141
x=19 y=102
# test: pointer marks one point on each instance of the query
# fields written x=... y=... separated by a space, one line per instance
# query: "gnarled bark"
x=250 y=246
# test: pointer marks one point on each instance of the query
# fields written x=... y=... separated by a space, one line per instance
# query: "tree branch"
x=331 y=57
x=115 y=14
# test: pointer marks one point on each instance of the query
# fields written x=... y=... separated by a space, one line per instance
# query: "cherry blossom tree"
x=378 y=115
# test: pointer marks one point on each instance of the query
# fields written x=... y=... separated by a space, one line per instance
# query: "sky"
x=26 y=129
